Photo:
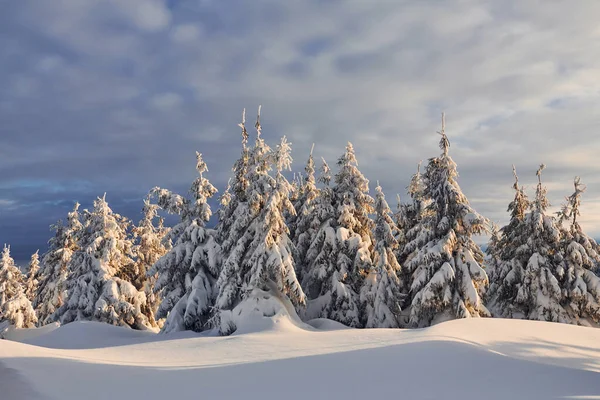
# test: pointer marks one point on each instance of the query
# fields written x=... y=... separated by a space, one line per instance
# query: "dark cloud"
x=114 y=96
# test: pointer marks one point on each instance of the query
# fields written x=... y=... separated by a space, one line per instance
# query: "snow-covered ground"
x=463 y=359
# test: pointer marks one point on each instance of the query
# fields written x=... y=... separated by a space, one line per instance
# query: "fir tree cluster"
x=317 y=247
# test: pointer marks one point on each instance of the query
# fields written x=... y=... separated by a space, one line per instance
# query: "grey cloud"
x=120 y=96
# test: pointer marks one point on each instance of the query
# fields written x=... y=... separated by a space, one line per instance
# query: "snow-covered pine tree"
x=149 y=247
x=339 y=258
x=493 y=253
x=187 y=273
x=96 y=292
x=15 y=307
x=447 y=276
x=508 y=270
x=258 y=274
x=409 y=217
x=52 y=292
x=233 y=201
x=321 y=241
x=307 y=221
x=528 y=285
x=33 y=274
x=581 y=286
x=382 y=291
x=296 y=195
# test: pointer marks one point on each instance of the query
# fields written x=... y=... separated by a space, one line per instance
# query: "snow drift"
x=462 y=359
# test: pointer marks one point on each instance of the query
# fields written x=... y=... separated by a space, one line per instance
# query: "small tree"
x=33 y=273
x=188 y=271
x=307 y=222
x=340 y=255
x=96 y=290
x=447 y=277
x=532 y=264
x=580 y=285
x=382 y=290
x=52 y=292
x=14 y=305
x=508 y=270
x=149 y=248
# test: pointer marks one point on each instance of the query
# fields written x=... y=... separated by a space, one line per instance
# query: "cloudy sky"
x=116 y=96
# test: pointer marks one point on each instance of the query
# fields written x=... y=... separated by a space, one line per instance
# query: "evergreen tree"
x=307 y=222
x=32 y=281
x=260 y=261
x=187 y=273
x=96 y=292
x=447 y=277
x=339 y=257
x=15 y=307
x=149 y=248
x=492 y=251
x=580 y=285
x=52 y=292
x=508 y=270
x=532 y=262
x=233 y=201
x=410 y=215
x=382 y=291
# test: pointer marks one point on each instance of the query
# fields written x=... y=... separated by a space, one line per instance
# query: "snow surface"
x=461 y=359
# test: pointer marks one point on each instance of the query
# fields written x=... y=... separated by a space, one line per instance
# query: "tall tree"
x=260 y=264
x=382 y=290
x=96 y=292
x=233 y=201
x=32 y=280
x=149 y=247
x=187 y=273
x=340 y=255
x=15 y=307
x=52 y=292
x=447 y=276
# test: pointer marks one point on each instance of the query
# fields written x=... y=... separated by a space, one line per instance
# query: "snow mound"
x=324 y=324
x=22 y=335
x=82 y=335
x=262 y=311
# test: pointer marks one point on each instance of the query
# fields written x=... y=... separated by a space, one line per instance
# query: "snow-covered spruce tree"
x=409 y=217
x=52 y=291
x=307 y=221
x=339 y=258
x=580 y=285
x=233 y=201
x=96 y=292
x=447 y=277
x=493 y=253
x=15 y=307
x=149 y=247
x=33 y=274
x=381 y=291
x=531 y=288
x=187 y=273
x=321 y=241
x=296 y=196
x=258 y=274
x=507 y=271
